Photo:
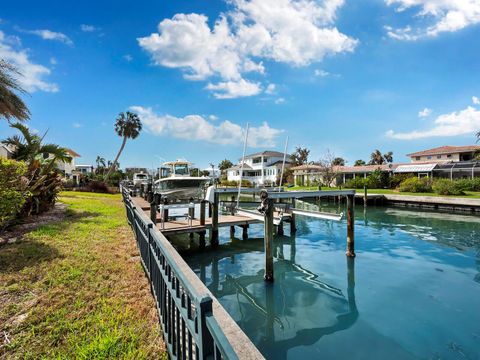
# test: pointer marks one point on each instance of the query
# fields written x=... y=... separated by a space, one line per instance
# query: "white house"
x=261 y=169
x=84 y=169
x=6 y=151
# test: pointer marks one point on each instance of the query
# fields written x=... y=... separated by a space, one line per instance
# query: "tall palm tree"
x=29 y=147
x=388 y=157
x=11 y=106
x=376 y=158
x=128 y=126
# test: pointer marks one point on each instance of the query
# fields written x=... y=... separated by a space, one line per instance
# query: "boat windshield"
x=178 y=184
x=181 y=169
x=141 y=176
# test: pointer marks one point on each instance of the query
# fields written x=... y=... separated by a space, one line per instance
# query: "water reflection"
x=284 y=314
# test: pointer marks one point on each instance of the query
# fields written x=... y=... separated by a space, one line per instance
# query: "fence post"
x=153 y=208
x=206 y=346
x=149 y=239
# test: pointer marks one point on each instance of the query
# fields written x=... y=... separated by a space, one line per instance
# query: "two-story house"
x=261 y=169
x=445 y=154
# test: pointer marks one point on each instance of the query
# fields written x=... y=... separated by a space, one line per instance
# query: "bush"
x=357 y=183
x=395 y=180
x=447 y=187
x=234 y=183
x=13 y=192
x=469 y=184
x=98 y=187
x=416 y=185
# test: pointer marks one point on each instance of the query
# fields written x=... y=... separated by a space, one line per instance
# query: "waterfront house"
x=84 y=169
x=261 y=169
x=6 y=151
x=445 y=154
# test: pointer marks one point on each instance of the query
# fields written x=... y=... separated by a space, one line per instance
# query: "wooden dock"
x=185 y=226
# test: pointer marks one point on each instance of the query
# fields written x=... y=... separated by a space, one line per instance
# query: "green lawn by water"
x=75 y=289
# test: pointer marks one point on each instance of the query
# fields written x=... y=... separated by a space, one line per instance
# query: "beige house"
x=445 y=154
x=6 y=151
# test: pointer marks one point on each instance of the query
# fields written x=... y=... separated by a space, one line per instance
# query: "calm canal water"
x=412 y=292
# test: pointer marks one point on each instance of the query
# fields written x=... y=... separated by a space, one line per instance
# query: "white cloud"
x=321 y=73
x=296 y=32
x=196 y=127
x=51 y=35
x=475 y=100
x=280 y=100
x=88 y=28
x=32 y=78
x=443 y=16
x=424 y=113
x=128 y=57
x=213 y=117
x=234 y=89
x=270 y=89
x=464 y=122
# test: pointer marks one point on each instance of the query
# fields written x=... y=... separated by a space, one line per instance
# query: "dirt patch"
x=14 y=234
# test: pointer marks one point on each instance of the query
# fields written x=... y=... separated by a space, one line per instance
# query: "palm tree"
x=11 y=106
x=128 y=126
x=29 y=147
x=338 y=161
x=359 y=163
x=376 y=158
x=100 y=161
x=388 y=157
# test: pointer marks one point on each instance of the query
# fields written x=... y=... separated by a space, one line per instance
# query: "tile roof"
x=73 y=153
x=446 y=150
x=267 y=153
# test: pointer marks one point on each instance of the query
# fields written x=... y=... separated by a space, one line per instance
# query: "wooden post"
x=245 y=232
x=365 y=196
x=350 y=226
x=214 y=232
x=202 y=212
x=165 y=211
x=268 y=240
x=153 y=208
x=232 y=212
x=293 y=225
x=201 y=236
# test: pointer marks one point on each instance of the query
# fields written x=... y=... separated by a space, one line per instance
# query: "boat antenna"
x=241 y=166
x=283 y=164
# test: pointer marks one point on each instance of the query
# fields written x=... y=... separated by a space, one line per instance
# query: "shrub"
x=357 y=183
x=98 y=187
x=469 y=184
x=447 y=187
x=13 y=192
x=234 y=183
x=416 y=185
x=395 y=180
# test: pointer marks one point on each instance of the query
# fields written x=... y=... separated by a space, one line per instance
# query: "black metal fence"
x=184 y=305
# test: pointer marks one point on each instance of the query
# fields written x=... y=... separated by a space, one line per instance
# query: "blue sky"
x=348 y=76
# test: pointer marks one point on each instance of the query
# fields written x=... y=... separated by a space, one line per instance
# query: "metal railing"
x=184 y=304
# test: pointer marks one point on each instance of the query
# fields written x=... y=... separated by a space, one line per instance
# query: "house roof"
x=7 y=147
x=412 y=168
x=446 y=150
x=239 y=166
x=73 y=153
x=267 y=153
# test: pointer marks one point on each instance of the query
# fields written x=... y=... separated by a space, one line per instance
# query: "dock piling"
x=214 y=231
x=232 y=212
x=268 y=238
x=350 y=226
x=202 y=212
x=293 y=224
x=153 y=208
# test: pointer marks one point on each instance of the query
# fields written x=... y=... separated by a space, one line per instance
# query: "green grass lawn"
x=75 y=289
x=468 y=194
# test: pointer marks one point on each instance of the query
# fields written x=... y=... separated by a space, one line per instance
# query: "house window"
x=429 y=157
x=45 y=155
x=439 y=156
x=417 y=157
x=449 y=156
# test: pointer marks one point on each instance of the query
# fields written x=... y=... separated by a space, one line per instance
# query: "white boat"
x=139 y=179
x=176 y=182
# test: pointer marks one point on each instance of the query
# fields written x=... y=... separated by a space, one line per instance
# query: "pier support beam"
x=245 y=232
x=165 y=211
x=269 y=240
x=214 y=231
x=350 y=226
x=153 y=208
x=293 y=225
x=232 y=212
